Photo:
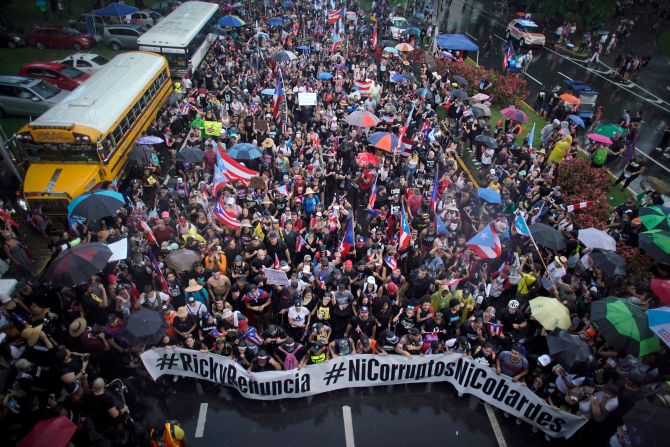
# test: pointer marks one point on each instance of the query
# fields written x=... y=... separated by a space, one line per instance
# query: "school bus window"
x=117 y=134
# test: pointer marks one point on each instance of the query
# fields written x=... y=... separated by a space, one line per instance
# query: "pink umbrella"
x=599 y=138
x=54 y=432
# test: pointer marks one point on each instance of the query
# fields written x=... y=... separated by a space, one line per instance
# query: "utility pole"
x=440 y=15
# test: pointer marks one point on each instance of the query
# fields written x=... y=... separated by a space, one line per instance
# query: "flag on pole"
x=277 y=263
x=348 y=240
x=148 y=232
x=405 y=232
x=158 y=272
x=452 y=282
x=283 y=190
x=374 y=37
x=440 y=226
x=403 y=129
x=373 y=195
x=579 y=206
x=520 y=225
x=301 y=243
x=278 y=95
x=509 y=55
x=233 y=170
x=531 y=136
x=485 y=244
x=391 y=262
x=334 y=16
x=226 y=217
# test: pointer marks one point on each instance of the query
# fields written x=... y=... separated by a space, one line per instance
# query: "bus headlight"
x=22 y=203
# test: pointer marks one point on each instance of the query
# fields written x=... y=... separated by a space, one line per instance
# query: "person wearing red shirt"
x=414 y=202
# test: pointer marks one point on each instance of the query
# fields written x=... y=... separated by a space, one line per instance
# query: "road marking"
x=202 y=417
x=526 y=73
x=494 y=424
x=565 y=76
x=504 y=40
x=471 y=36
x=348 y=426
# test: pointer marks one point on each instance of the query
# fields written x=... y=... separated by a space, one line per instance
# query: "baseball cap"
x=348 y=264
x=364 y=310
x=544 y=360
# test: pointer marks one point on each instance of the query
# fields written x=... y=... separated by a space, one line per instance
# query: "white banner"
x=119 y=250
x=307 y=99
x=276 y=277
x=354 y=371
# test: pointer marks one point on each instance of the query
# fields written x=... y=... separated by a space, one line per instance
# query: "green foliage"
x=584 y=12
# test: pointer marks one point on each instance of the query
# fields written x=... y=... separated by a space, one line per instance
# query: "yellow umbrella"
x=550 y=313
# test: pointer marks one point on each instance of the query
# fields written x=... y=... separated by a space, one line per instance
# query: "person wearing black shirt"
x=473 y=330
x=277 y=248
x=452 y=315
x=363 y=323
x=387 y=342
x=420 y=283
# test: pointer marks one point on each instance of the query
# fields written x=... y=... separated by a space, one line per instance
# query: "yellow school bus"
x=85 y=139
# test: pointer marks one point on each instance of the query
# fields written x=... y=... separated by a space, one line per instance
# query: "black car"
x=11 y=39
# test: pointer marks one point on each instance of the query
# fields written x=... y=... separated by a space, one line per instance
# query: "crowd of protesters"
x=378 y=295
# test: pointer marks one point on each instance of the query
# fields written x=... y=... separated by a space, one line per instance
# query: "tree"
x=589 y=13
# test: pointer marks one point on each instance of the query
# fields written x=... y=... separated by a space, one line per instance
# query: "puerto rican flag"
x=233 y=170
x=301 y=243
x=148 y=232
x=278 y=95
x=334 y=16
x=578 y=206
x=452 y=282
x=391 y=262
x=509 y=55
x=348 y=240
x=363 y=87
x=405 y=233
x=283 y=190
x=158 y=272
x=374 y=37
x=485 y=244
x=520 y=225
x=277 y=263
x=220 y=178
x=373 y=195
x=494 y=329
x=337 y=40
x=225 y=217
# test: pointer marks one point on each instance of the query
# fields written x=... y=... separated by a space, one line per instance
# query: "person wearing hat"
x=362 y=323
x=290 y=354
x=341 y=346
x=277 y=248
x=556 y=270
x=184 y=323
x=310 y=202
x=195 y=308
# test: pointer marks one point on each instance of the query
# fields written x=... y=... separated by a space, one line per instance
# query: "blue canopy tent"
x=115 y=10
x=458 y=42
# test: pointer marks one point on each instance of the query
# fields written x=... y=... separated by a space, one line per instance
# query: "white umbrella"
x=595 y=238
x=480 y=97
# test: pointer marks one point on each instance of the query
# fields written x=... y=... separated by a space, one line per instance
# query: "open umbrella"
x=244 y=151
x=550 y=313
x=599 y=138
x=287 y=4
x=485 y=109
x=324 y=76
x=655 y=183
x=477 y=113
x=609 y=262
x=231 y=21
x=570 y=99
x=404 y=47
x=577 y=120
x=514 y=114
x=52 y=432
x=458 y=93
x=76 y=265
x=385 y=141
x=656 y=243
x=95 y=205
x=609 y=130
x=424 y=93
x=547 y=236
x=595 y=238
x=659 y=322
x=149 y=139
x=174 y=98
x=191 y=155
x=388 y=43
x=367 y=158
x=182 y=259
x=488 y=194
x=284 y=56
x=571 y=352
x=276 y=21
x=402 y=77
x=391 y=50
x=655 y=217
x=647 y=424
x=261 y=35
x=411 y=30
x=486 y=140
x=624 y=326
x=480 y=97
x=461 y=80
x=303 y=48
x=144 y=327
x=268 y=92
x=661 y=288
x=361 y=118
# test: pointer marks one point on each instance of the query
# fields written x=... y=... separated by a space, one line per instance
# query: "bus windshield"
x=61 y=152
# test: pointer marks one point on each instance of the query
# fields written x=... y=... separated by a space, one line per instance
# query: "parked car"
x=122 y=36
x=525 y=31
x=396 y=25
x=86 y=62
x=61 y=75
x=81 y=23
x=147 y=17
x=11 y=39
x=58 y=37
x=27 y=97
x=165 y=6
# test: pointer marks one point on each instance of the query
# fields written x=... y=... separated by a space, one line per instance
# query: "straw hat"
x=182 y=312
x=309 y=191
x=268 y=142
x=266 y=200
x=32 y=334
x=561 y=261
x=77 y=327
x=193 y=286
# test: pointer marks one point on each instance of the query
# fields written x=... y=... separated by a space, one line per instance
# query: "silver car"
x=122 y=36
x=27 y=97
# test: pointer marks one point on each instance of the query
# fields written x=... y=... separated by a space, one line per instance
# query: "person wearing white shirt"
x=555 y=271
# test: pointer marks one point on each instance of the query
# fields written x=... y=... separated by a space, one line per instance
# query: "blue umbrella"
x=262 y=35
x=268 y=92
x=490 y=195
x=232 y=21
x=415 y=31
x=390 y=50
x=96 y=204
x=303 y=48
x=149 y=139
x=324 y=76
x=287 y=5
x=577 y=120
x=244 y=151
x=424 y=93
x=659 y=322
x=402 y=78
x=276 y=21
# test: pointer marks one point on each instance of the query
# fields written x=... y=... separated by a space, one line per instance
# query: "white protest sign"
x=306 y=99
x=276 y=277
x=119 y=250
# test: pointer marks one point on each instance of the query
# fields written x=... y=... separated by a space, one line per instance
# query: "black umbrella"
x=547 y=236
x=76 y=265
x=142 y=153
x=365 y=29
x=191 y=155
x=96 y=204
x=486 y=140
x=388 y=43
x=477 y=112
x=609 y=262
x=284 y=56
x=573 y=353
x=461 y=80
x=144 y=327
x=646 y=424
x=458 y=93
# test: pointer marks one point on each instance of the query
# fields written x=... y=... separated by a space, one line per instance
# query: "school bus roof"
x=179 y=27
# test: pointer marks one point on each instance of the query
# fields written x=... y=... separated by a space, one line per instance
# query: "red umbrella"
x=54 y=432
x=661 y=287
x=367 y=158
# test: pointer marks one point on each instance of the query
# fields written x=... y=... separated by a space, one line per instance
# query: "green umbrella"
x=609 y=130
x=624 y=326
x=656 y=243
x=655 y=217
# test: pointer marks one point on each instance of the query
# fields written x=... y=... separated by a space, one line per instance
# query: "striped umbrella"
x=624 y=326
x=385 y=141
x=404 y=47
x=76 y=265
x=96 y=204
x=362 y=118
x=655 y=217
